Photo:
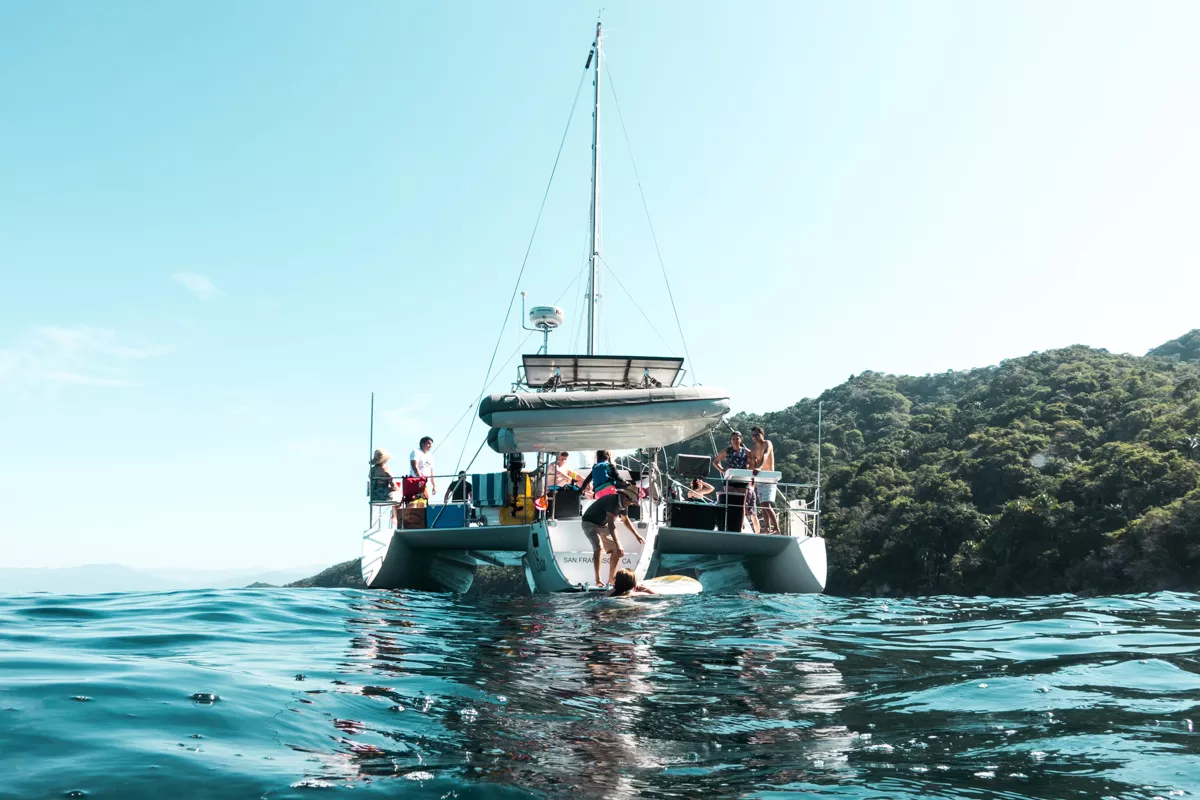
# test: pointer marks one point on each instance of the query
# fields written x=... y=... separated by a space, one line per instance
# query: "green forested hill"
x=1068 y=470
x=1185 y=348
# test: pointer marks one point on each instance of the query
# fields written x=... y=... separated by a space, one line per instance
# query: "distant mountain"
x=233 y=578
x=347 y=574
x=504 y=581
x=103 y=578
x=1185 y=348
x=88 y=579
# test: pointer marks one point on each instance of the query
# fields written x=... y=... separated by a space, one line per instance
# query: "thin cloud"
x=98 y=340
x=404 y=417
x=78 y=356
x=197 y=284
x=10 y=361
x=311 y=446
x=86 y=380
x=404 y=424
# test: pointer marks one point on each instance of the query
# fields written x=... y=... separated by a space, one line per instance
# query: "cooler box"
x=451 y=516
x=413 y=516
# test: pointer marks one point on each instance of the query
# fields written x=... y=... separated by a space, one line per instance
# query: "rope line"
x=613 y=273
x=653 y=236
x=578 y=306
x=524 y=261
x=477 y=452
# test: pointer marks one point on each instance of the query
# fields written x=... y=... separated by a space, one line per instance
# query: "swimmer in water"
x=625 y=584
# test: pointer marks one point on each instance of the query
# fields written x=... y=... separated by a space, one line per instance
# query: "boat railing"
x=795 y=516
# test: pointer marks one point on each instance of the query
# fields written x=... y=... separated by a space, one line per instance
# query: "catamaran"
x=588 y=402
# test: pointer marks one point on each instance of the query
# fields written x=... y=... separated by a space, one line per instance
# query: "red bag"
x=413 y=487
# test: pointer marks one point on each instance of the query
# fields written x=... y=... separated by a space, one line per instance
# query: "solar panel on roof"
x=573 y=370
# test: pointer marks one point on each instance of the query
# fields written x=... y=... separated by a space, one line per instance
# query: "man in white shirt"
x=421 y=465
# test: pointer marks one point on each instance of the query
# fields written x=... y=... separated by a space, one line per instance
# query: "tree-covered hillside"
x=1068 y=470
x=1185 y=348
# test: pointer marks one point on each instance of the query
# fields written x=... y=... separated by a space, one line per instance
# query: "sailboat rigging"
x=580 y=402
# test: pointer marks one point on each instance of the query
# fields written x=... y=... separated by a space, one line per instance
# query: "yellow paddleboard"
x=673 y=584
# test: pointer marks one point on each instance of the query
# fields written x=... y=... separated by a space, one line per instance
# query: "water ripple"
x=287 y=693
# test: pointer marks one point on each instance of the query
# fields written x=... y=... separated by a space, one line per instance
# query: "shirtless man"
x=560 y=476
x=762 y=459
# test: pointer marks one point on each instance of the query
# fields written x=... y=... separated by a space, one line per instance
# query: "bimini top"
x=617 y=419
x=601 y=372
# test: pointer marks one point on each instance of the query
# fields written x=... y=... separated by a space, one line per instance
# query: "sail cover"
x=618 y=419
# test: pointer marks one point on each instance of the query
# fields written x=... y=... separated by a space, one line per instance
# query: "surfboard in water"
x=673 y=584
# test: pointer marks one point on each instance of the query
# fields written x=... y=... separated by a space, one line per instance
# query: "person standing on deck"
x=599 y=526
x=460 y=490
x=421 y=465
x=603 y=478
x=736 y=456
x=762 y=459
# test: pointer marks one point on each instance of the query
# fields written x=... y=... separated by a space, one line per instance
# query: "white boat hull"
x=557 y=557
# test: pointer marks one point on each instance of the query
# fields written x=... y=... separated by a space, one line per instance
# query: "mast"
x=593 y=288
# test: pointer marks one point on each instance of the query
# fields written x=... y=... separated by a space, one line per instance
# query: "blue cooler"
x=451 y=516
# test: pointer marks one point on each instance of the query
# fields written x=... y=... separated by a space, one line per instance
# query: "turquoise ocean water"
x=332 y=693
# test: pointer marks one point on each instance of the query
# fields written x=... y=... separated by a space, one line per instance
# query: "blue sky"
x=222 y=225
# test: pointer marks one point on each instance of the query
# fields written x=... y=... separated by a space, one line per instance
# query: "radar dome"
x=546 y=318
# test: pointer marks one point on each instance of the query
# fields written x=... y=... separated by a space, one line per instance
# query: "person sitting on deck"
x=700 y=490
x=603 y=478
x=625 y=584
x=599 y=526
x=382 y=482
x=560 y=476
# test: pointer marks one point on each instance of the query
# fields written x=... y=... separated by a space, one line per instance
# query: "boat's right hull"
x=728 y=562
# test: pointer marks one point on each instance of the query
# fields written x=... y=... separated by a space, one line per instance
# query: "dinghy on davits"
x=587 y=402
x=618 y=419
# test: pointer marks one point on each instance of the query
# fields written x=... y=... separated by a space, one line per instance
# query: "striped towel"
x=488 y=489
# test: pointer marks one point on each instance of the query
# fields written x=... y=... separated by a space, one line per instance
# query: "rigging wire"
x=653 y=236
x=525 y=260
x=583 y=287
x=613 y=273
x=496 y=373
x=578 y=313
